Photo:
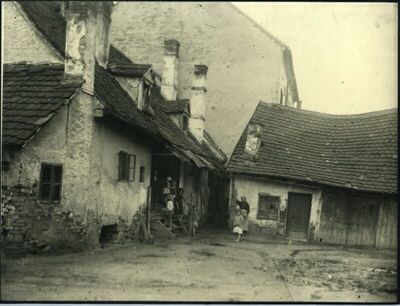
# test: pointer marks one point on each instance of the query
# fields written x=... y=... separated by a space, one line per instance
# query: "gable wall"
x=244 y=63
x=22 y=42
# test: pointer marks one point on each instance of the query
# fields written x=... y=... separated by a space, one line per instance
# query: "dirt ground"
x=209 y=267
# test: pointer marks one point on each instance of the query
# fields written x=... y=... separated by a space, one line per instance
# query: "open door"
x=298 y=218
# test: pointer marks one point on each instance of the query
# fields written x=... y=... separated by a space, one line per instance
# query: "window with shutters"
x=50 y=182
x=126 y=166
x=268 y=207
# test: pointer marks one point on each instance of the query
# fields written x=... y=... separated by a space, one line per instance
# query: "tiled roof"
x=351 y=151
x=178 y=106
x=48 y=20
x=211 y=141
x=116 y=100
x=32 y=94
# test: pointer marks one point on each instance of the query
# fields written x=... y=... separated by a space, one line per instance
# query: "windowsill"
x=49 y=202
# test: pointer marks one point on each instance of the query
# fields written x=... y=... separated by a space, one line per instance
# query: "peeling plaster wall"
x=251 y=187
x=113 y=201
x=65 y=139
x=22 y=42
x=48 y=146
x=244 y=63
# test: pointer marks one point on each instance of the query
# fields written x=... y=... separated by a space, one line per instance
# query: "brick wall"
x=244 y=62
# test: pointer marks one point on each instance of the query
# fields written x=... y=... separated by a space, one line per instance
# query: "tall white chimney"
x=169 y=84
x=198 y=102
x=81 y=41
x=104 y=11
x=87 y=38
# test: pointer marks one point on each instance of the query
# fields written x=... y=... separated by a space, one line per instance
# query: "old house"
x=86 y=131
x=244 y=60
x=330 y=178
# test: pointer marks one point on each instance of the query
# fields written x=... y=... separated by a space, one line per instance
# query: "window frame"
x=265 y=213
x=126 y=168
x=51 y=182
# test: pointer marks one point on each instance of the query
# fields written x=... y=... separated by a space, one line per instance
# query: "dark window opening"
x=109 y=234
x=50 y=182
x=268 y=207
x=141 y=176
x=185 y=123
x=126 y=167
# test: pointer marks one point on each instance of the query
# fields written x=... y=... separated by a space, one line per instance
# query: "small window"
x=50 y=182
x=268 y=207
x=126 y=170
x=141 y=176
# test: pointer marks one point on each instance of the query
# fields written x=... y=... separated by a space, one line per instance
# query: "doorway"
x=298 y=218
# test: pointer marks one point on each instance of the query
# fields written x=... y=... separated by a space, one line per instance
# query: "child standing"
x=170 y=209
x=238 y=221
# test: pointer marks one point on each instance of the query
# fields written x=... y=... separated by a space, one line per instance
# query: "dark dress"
x=178 y=204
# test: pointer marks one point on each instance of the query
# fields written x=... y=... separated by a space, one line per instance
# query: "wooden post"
x=191 y=210
x=148 y=209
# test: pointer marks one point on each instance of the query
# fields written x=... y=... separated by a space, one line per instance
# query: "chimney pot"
x=198 y=102
x=169 y=84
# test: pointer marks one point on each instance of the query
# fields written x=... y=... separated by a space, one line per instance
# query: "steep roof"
x=351 y=151
x=48 y=20
x=32 y=95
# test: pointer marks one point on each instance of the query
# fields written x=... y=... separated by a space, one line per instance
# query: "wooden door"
x=298 y=218
x=363 y=217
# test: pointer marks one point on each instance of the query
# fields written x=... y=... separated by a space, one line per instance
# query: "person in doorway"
x=170 y=209
x=245 y=208
x=179 y=202
x=167 y=188
x=238 y=221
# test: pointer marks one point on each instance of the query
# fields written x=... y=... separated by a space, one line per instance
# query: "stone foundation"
x=29 y=226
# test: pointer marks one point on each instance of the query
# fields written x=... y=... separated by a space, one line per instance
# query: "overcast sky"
x=345 y=54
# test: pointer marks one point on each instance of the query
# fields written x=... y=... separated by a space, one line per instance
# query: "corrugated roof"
x=350 y=151
x=32 y=95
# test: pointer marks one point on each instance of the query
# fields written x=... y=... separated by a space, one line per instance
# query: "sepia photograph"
x=199 y=152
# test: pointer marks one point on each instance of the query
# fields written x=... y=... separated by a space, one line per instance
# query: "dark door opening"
x=298 y=218
x=109 y=234
x=163 y=166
